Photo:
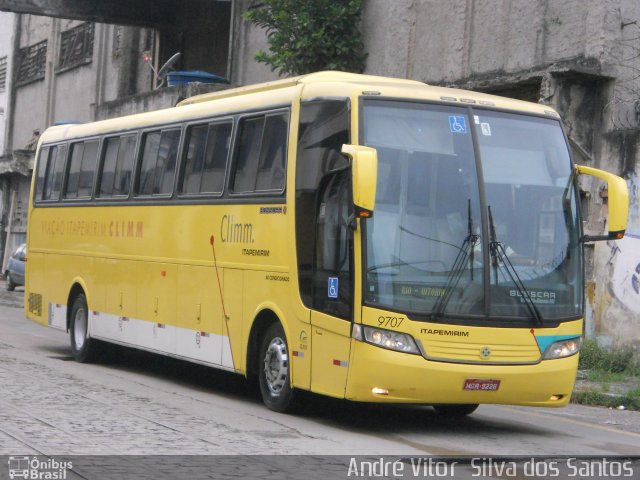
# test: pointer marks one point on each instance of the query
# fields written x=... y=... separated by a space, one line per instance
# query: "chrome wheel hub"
x=80 y=328
x=276 y=365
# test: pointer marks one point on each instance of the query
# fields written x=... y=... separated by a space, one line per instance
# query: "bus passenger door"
x=332 y=287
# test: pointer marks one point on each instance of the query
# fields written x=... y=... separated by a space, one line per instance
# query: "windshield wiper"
x=499 y=255
x=455 y=274
x=398 y=263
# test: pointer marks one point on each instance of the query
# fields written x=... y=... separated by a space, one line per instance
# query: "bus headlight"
x=563 y=348
x=400 y=342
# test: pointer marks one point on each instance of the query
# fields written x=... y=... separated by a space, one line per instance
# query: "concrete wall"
x=31 y=105
x=154 y=100
x=247 y=40
x=6 y=50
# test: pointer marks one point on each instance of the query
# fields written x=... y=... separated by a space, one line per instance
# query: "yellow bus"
x=361 y=237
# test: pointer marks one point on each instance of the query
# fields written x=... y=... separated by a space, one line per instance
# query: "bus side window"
x=54 y=173
x=117 y=166
x=215 y=163
x=42 y=167
x=205 y=158
x=124 y=165
x=84 y=156
x=248 y=155
x=194 y=159
x=260 y=162
x=160 y=149
x=88 y=168
x=271 y=170
x=109 y=166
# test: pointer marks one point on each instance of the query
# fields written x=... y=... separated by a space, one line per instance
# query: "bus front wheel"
x=83 y=348
x=456 y=410
x=274 y=370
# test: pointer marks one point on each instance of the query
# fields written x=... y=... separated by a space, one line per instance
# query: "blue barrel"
x=193 y=76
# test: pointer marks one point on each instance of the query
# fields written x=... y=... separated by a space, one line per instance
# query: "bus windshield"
x=485 y=232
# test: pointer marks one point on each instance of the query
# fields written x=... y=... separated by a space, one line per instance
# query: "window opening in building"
x=31 y=63
x=76 y=46
x=3 y=73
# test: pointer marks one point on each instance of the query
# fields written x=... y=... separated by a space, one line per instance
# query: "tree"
x=310 y=35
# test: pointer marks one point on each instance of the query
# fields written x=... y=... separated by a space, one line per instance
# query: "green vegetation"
x=310 y=35
x=612 y=377
x=595 y=358
x=630 y=400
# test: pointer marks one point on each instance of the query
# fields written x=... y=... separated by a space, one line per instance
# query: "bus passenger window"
x=260 y=163
x=124 y=165
x=166 y=166
x=74 y=170
x=42 y=166
x=117 y=166
x=54 y=173
x=109 y=166
x=158 y=162
x=89 y=160
x=248 y=155
x=215 y=164
x=196 y=144
x=206 y=158
x=271 y=171
x=84 y=157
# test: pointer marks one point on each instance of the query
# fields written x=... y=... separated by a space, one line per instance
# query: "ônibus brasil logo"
x=33 y=468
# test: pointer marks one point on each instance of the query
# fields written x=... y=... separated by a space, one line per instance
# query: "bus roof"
x=311 y=78
x=280 y=92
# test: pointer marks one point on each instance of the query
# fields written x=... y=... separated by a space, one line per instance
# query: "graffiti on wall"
x=626 y=272
x=625 y=255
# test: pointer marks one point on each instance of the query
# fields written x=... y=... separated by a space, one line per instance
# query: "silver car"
x=15 y=268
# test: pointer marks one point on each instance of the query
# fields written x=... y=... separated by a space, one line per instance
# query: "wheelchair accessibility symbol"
x=333 y=287
x=457 y=124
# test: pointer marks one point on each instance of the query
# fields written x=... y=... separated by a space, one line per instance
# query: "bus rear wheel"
x=456 y=410
x=274 y=370
x=83 y=348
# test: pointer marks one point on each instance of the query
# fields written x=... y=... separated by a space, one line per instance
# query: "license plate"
x=481 y=385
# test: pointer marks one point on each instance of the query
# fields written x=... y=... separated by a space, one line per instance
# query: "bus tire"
x=456 y=410
x=274 y=370
x=83 y=348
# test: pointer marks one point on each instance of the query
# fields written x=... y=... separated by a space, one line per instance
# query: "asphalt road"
x=138 y=403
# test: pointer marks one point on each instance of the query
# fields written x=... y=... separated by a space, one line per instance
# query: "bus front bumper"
x=380 y=375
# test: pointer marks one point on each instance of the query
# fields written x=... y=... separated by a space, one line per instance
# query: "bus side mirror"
x=364 y=176
x=618 y=203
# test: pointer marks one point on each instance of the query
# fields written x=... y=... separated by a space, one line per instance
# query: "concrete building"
x=579 y=56
x=6 y=61
x=12 y=173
